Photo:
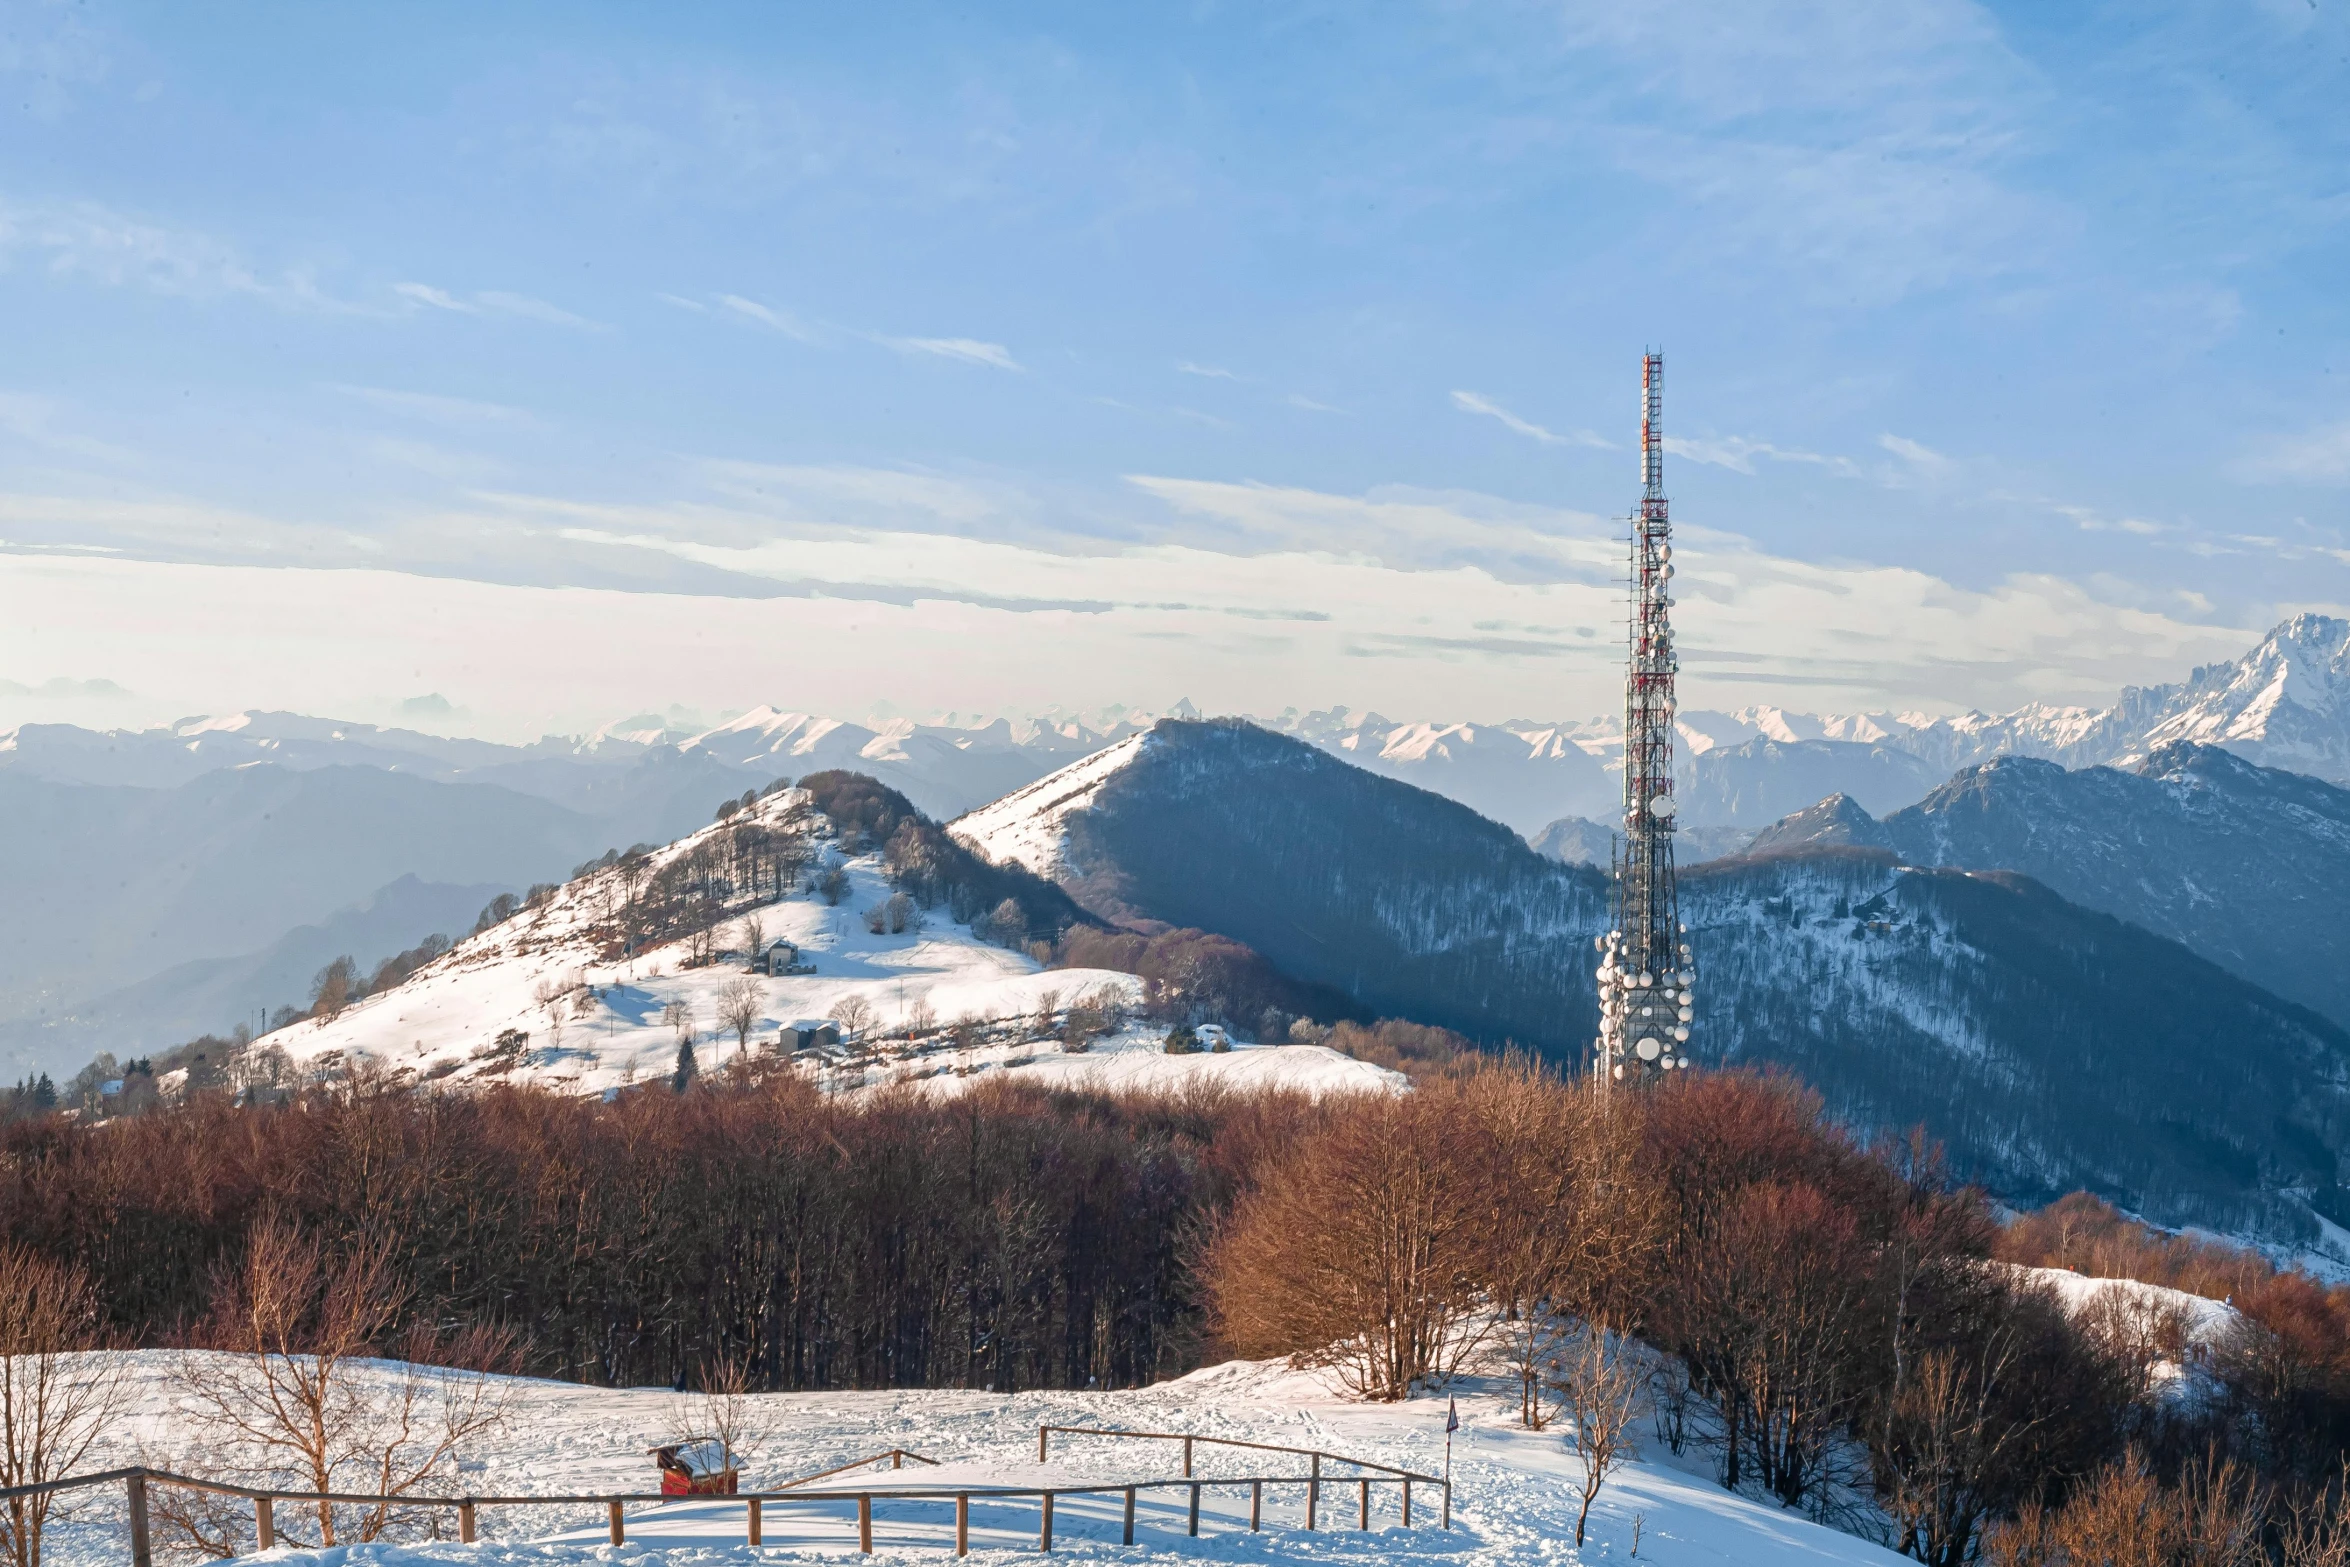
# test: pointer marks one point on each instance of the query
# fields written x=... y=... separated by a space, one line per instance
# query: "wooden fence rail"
x=136 y=1482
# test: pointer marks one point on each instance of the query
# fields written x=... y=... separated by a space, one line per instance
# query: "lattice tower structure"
x=1645 y=968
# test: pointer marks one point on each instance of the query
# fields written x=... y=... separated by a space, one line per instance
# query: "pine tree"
x=687 y=1068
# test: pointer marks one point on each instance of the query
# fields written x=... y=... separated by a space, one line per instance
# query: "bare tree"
x=54 y=1403
x=291 y=1400
x=724 y=1411
x=1601 y=1386
x=1360 y=1250
x=680 y=1021
x=854 y=1015
x=1048 y=1007
x=2317 y=1527
x=752 y=933
x=740 y=1002
x=334 y=988
x=921 y=1017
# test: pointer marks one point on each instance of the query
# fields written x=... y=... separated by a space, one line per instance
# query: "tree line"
x=1007 y=1238
x=1839 y=1326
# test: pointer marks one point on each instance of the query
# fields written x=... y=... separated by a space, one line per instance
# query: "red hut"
x=697 y=1466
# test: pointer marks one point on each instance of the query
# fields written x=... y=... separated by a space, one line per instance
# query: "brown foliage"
x=2123 y=1518
x=52 y=1409
x=827 y=1243
x=1361 y=1250
x=2285 y=1370
x=282 y=1395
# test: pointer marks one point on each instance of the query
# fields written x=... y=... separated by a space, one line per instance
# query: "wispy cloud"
x=1300 y=400
x=683 y=303
x=968 y=349
x=1210 y=371
x=1738 y=452
x=438 y=299
x=492 y=302
x=1471 y=402
x=456 y=411
x=2090 y=520
x=529 y=309
x=33 y=420
x=766 y=315
x=1917 y=455
x=88 y=242
x=2319 y=456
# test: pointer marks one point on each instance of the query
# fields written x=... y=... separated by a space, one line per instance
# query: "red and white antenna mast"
x=1644 y=970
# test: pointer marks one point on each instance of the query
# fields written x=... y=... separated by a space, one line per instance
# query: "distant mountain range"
x=2248 y=865
x=547 y=804
x=2048 y=1044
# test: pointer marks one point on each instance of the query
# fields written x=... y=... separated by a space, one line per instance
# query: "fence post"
x=1040 y=1434
x=897 y=1458
x=1195 y=1507
x=265 y=1523
x=142 y=1553
x=865 y=1523
x=1363 y=1510
x=1187 y=1457
x=619 y=1535
x=1448 y=1504
x=1314 y=1492
x=465 y=1522
x=1044 y=1540
x=755 y=1521
x=1256 y=1504
x=963 y=1525
x=1129 y=1515
x=1407 y=1501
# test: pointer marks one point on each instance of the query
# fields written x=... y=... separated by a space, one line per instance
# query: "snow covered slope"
x=1029 y=827
x=545 y=997
x=2248 y=865
x=2048 y=1045
x=1514 y=1491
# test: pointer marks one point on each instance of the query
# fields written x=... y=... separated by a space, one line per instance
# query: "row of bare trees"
x=1011 y=1238
x=1826 y=1317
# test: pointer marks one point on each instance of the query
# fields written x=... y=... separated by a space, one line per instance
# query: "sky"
x=513 y=369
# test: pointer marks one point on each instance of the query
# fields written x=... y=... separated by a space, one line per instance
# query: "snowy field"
x=595 y=1024
x=1513 y=1489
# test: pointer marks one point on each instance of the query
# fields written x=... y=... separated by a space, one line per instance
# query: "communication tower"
x=1645 y=969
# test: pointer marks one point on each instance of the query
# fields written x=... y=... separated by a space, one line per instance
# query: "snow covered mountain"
x=594 y=986
x=626 y=772
x=2049 y=1045
x=2248 y=865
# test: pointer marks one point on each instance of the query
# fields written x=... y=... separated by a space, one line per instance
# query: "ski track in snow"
x=1514 y=1490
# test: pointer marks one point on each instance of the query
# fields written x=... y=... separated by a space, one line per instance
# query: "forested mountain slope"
x=2049 y=1045
x=2248 y=865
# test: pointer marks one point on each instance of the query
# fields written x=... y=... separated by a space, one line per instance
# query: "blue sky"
x=566 y=360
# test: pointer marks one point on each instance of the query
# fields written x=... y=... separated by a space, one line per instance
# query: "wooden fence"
x=1365 y=1474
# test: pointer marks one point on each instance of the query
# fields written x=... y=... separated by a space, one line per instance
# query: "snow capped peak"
x=1029 y=827
x=2284 y=704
